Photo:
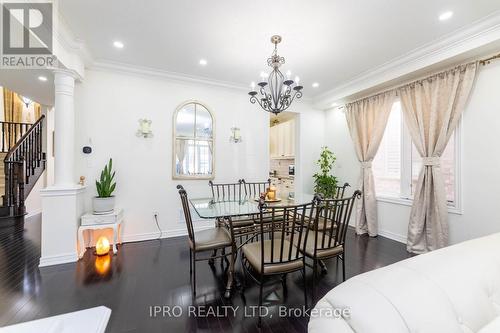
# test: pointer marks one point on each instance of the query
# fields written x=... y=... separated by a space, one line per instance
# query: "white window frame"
x=405 y=197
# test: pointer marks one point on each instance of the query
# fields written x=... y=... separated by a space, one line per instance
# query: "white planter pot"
x=103 y=205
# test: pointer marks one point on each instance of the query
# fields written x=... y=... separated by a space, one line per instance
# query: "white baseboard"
x=31 y=214
x=58 y=259
x=393 y=236
x=165 y=234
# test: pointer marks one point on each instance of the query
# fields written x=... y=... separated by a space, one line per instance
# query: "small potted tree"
x=104 y=203
x=324 y=182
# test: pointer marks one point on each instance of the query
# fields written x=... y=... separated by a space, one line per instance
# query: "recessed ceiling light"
x=42 y=78
x=118 y=44
x=203 y=62
x=445 y=16
x=315 y=85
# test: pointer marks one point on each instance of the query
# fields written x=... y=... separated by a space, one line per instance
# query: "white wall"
x=480 y=165
x=108 y=106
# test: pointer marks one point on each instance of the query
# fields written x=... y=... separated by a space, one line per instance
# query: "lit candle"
x=252 y=85
x=237 y=134
x=297 y=80
x=145 y=126
x=288 y=74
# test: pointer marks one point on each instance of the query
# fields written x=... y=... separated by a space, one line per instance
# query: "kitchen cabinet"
x=282 y=140
x=283 y=186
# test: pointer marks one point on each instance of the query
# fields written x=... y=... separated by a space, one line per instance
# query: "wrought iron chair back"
x=331 y=235
x=226 y=192
x=187 y=212
x=254 y=189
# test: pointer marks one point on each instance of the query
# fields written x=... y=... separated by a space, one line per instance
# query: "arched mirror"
x=193 y=151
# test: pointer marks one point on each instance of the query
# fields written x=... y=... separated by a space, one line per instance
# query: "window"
x=193 y=142
x=397 y=165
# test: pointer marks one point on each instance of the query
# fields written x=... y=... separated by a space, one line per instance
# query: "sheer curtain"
x=432 y=109
x=367 y=119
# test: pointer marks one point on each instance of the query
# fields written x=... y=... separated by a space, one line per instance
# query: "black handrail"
x=21 y=162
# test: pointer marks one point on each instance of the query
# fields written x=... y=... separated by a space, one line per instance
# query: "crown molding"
x=148 y=72
x=153 y=72
x=468 y=38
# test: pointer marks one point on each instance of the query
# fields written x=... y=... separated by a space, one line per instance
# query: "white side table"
x=91 y=221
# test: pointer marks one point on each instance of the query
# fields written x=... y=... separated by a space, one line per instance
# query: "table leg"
x=115 y=239
x=81 y=245
x=230 y=277
x=322 y=264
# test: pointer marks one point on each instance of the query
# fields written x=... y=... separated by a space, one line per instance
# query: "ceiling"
x=324 y=41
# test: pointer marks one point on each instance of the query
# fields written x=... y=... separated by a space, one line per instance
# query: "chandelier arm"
x=254 y=99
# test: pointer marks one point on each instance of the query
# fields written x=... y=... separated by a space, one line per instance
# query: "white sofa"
x=451 y=290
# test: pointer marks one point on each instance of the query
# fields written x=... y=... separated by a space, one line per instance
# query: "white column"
x=62 y=203
x=64 y=141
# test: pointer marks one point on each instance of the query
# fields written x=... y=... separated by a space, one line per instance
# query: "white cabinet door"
x=289 y=138
x=282 y=140
x=273 y=141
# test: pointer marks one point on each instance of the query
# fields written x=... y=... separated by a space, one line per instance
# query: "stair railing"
x=21 y=162
x=10 y=133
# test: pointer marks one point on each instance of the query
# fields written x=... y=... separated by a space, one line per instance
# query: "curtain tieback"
x=366 y=165
x=431 y=161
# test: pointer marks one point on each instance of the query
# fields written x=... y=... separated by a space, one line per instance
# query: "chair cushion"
x=321 y=253
x=211 y=239
x=252 y=252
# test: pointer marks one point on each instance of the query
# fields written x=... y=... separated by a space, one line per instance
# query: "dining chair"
x=327 y=240
x=252 y=190
x=271 y=250
x=230 y=192
x=225 y=191
x=206 y=240
x=340 y=191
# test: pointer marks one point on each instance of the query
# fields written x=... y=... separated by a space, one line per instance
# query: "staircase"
x=21 y=148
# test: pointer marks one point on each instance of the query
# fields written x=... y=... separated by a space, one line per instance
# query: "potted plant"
x=324 y=182
x=105 y=202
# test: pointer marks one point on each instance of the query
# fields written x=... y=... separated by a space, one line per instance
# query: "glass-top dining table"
x=208 y=208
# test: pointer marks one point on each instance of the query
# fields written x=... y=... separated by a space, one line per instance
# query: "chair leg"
x=343 y=266
x=261 y=286
x=305 y=285
x=194 y=273
x=211 y=260
x=222 y=259
x=315 y=269
x=190 y=262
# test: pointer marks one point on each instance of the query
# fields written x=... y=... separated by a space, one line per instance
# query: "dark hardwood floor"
x=156 y=273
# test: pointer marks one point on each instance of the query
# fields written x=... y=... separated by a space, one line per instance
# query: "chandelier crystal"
x=278 y=93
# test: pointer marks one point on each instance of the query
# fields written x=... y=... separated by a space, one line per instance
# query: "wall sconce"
x=145 y=128
x=235 y=135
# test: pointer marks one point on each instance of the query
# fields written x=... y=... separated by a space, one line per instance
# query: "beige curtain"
x=38 y=111
x=13 y=112
x=432 y=110
x=367 y=120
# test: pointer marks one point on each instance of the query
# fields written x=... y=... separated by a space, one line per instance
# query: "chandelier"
x=277 y=94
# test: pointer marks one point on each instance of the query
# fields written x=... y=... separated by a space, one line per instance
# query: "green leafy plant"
x=105 y=185
x=324 y=182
